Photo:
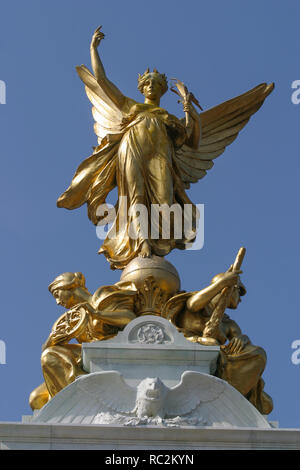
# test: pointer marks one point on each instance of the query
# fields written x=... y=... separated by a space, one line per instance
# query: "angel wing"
x=108 y=117
x=194 y=388
x=220 y=127
x=96 y=175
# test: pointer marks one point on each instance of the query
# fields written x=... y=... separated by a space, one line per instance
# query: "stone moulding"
x=114 y=437
x=149 y=343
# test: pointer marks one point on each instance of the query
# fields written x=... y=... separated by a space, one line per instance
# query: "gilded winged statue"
x=151 y=156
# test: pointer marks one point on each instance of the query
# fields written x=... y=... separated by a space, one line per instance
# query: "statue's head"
x=69 y=289
x=237 y=292
x=152 y=84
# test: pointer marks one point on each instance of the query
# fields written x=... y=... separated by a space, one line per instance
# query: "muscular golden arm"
x=53 y=339
x=234 y=331
x=199 y=300
x=192 y=124
x=108 y=87
x=237 y=341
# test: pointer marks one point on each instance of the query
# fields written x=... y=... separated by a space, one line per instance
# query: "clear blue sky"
x=220 y=50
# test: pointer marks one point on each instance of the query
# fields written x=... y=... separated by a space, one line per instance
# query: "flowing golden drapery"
x=147 y=154
x=243 y=371
x=141 y=163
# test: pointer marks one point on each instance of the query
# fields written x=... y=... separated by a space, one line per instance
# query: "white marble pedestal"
x=148 y=388
x=149 y=346
x=149 y=374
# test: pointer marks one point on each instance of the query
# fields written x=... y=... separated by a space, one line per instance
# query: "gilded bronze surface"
x=201 y=317
x=102 y=315
x=152 y=157
x=212 y=327
x=89 y=318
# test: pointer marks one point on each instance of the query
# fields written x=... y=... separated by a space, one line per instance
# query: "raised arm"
x=108 y=87
x=199 y=300
x=192 y=123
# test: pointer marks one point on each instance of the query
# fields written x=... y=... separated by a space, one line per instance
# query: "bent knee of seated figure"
x=244 y=371
x=62 y=357
x=255 y=352
x=49 y=356
x=57 y=356
x=260 y=357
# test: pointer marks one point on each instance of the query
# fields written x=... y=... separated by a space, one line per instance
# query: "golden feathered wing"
x=220 y=126
x=96 y=176
x=107 y=115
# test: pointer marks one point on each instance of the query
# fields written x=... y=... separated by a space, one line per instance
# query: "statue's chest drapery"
x=150 y=130
x=149 y=134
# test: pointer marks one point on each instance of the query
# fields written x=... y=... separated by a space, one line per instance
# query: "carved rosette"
x=150 y=334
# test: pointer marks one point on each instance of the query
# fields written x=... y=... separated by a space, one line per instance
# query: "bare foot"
x=145 y=250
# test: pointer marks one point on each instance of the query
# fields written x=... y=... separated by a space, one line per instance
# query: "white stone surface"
x=105 y=398
x=149 y=343
x=109 y=408
x=18 y=436
x=150 y=374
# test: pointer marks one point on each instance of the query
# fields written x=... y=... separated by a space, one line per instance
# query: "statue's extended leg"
x=61 y=365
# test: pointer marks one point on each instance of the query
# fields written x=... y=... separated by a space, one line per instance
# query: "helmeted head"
x=67 y=287
x=238 y=291
x=152 y=84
